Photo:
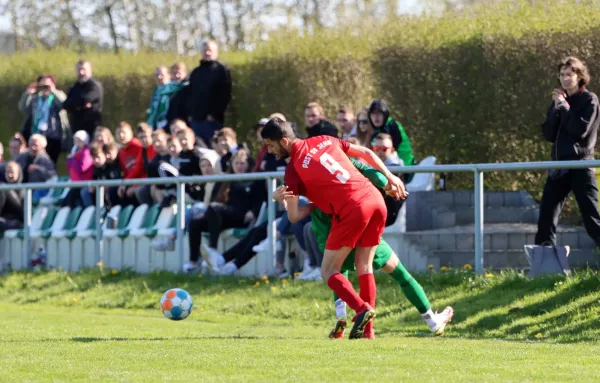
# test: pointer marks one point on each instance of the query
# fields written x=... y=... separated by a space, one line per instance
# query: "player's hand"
x=130 y=192
x=282 y=193
x=397 y=187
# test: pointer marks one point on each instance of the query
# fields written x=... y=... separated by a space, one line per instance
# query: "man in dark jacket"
x=572 y=127
x=209 y=93
x=84 y=101
x=35 y=162
x=316 y=124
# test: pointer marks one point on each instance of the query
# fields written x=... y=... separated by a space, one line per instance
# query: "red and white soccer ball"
x=176 y=304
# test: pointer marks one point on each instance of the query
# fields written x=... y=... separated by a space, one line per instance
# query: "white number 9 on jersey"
x=334 y=168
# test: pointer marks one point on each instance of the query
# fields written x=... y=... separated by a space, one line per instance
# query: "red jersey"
x=320 y=170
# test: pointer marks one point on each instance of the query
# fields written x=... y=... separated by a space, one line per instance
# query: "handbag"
x=548 y=260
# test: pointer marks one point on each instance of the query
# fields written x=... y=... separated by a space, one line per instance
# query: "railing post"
x=180 y=221
x=26 y=224
x=271 y=185
x=98 y=246
x=478 y=202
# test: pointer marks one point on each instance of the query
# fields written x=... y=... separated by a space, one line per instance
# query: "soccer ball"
x=176 y=304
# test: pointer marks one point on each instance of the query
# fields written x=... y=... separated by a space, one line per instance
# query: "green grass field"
x=102 y=325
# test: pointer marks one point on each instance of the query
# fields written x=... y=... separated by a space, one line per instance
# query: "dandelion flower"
x=100 y=264
x=489 y=275
x=273 y=289
x=539 y=335
x=443 y=268
x=75 y=299
x=114 y=272
x=284 y=280
x=430 y=267
x=468 y=267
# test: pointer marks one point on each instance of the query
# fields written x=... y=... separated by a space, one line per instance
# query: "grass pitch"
x=101 y=325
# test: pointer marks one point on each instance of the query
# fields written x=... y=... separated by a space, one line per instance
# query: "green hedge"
x=468 y=88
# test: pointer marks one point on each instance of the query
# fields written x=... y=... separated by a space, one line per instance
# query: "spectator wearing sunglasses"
x=364 y=129
x=384 y=149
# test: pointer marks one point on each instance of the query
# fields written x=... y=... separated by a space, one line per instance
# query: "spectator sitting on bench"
x=239 y=204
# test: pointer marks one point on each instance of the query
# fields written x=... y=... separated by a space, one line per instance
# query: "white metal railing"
x=270 y=177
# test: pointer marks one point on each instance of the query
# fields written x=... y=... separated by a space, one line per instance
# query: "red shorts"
x=359 y=224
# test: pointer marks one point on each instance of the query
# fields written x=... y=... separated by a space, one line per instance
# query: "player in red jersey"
x=319 y=168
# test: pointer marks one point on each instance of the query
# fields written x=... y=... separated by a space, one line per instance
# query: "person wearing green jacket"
x=379 y=116
x=159 y=104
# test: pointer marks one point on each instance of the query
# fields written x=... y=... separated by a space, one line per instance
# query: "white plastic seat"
x=37 y=219
x=86 y=233
x=134 y=223
x=83 y=223
x=57 y=225
x=115 y=255
x=423 y=181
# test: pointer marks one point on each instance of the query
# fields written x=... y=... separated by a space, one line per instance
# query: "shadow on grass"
x=154 y=339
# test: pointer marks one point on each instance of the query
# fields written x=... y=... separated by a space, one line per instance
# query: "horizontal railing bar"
x=453 y=168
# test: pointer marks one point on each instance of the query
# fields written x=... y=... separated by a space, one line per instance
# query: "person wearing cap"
x=42 y=104
x=379 y=116
x=80 y=165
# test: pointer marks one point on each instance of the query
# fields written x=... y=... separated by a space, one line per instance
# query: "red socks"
x=368 y=292
x=343 y=289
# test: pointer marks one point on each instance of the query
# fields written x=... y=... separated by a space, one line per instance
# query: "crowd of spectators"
x=184 y=134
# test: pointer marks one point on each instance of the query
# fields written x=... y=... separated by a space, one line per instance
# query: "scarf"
x=42 y=114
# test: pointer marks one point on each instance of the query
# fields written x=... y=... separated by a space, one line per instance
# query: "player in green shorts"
x=385 y=260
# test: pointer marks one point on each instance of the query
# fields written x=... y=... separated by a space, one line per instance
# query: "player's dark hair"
x=276 y=129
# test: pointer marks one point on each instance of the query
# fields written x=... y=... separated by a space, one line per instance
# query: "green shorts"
x=383 y=253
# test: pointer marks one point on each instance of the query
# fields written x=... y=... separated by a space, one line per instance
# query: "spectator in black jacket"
x=238 y=206
x=209 y=93
x=11 y=201
x=316 y=124
x=227 y=142
x=84 y=101
x=572 y=127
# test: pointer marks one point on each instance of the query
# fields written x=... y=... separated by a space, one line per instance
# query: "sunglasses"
x=380 y=148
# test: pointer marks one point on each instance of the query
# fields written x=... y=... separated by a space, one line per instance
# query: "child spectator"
x=80 y=165
x=103 y=136
x=161 y=147
x=143 y=132
x=130 y=159
x=17 y=145
x=11 y=201
x=227 y=139
x=106 y=167
x=238 y=206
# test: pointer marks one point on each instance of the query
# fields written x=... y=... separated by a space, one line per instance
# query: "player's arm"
x=290 y=202
x=371 y=158
x=375 y=176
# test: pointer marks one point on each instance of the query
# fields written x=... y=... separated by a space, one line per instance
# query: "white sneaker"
x=190 y=267
x=264 y=246
x=442 y=320
x=316 y=274
x=213 y=258
x=228 y=269
x=305 y=273
x=163 y=244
